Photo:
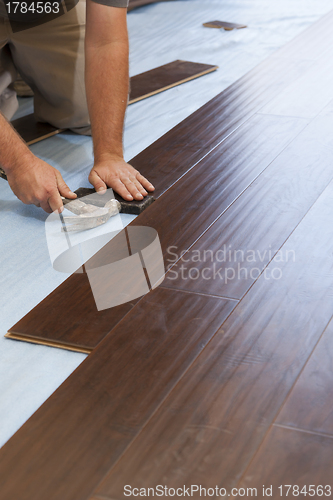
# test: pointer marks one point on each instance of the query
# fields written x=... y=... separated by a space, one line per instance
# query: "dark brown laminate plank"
x=224 y=25
x=165 y=77
x=32 y=131
x=71 y=309
x=194 y=202
x=309 y=405
x=229 y=257
x=291 y=457
x=66 y=448
x=210 y=426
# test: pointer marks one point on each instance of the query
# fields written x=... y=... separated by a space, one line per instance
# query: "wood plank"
x=165 y=77
x=194 y=202
x=32 y=131
x=210 y=426
x=78 y=323
x=309 y=404
x=90 y=426
x=222 y=24
x=299 y=458
x=142 y=86
x=236 y=249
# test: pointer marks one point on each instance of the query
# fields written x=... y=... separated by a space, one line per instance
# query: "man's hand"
x=114 y=172
x=39 y=184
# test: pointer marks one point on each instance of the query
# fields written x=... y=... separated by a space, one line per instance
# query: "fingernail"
x=101 y=190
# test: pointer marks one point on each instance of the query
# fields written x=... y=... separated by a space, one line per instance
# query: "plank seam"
x=273 y=423
x=161 y=403
x=199 y=293
x=305 y=431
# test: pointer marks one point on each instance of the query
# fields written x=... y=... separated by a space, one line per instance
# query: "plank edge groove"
x=48 y=343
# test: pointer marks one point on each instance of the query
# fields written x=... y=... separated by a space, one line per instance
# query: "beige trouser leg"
x=8 y=100
x=50 y=58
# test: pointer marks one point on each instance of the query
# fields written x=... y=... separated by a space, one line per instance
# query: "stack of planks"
x=213 y=382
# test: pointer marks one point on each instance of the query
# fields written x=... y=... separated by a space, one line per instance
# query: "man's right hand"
x=36 y=182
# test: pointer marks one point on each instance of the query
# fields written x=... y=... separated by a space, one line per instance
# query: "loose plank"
x=209 y=428
x=142 y=86
x=32 y=131
x=299 y=458
x=165 y=77
x=194 y=202
x=124 y=383
x=222 y=24
x=309 y=403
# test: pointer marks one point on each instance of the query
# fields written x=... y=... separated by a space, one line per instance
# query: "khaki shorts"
x=50 y=58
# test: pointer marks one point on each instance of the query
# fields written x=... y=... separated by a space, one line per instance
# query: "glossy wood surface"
x=212 y=423
x=230 y=255
x=186 y=387
x=224 y=25
x=124 y=382
x=195 y=202
x=299 y=458
x=309 y=405
x=164 y=77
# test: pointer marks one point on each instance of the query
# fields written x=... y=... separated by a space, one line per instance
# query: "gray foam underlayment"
x=159 y=34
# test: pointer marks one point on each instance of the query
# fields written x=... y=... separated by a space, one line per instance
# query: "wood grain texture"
x=208 y=429
x=195 y=201
x=309 y=405
x=229 y=257
x=165 y=77
x=299 y=458
x=222 y=24
x=105 y=403
x=75 y=319
x=199 y=402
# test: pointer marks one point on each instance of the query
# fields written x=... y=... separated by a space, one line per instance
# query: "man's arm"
x=32 y=180
x=106 y=53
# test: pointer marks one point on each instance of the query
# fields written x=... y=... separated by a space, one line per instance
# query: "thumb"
x=63 y=188
x=96 y=181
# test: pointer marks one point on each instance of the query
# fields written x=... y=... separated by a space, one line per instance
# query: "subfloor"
x=159 y=33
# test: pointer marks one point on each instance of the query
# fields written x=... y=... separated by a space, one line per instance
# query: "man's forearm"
x=107 y=86
x=13 y=151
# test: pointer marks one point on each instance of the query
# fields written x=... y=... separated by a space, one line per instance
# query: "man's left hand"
x=115 y=173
